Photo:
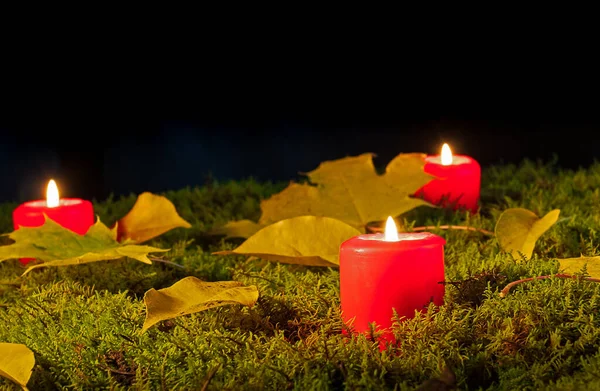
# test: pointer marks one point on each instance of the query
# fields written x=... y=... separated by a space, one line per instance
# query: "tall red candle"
x=378 y=275
x=457 y=182
x=72 y=213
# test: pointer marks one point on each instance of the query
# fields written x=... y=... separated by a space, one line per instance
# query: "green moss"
x=83 y=322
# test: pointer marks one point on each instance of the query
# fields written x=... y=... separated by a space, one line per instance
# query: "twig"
x=156 y=259
x=209 y=376
x=508 y=287
x=432 y=227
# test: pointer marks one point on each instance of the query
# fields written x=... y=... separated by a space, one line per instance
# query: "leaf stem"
x=508 y=287
x=156 y=259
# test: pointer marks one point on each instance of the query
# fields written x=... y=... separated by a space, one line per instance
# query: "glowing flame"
x=52 y=195
x=446 y=155
x=391 y=232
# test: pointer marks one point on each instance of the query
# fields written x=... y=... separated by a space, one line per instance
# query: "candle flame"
x=446 y=155
x=52 y=199
x=391 y=232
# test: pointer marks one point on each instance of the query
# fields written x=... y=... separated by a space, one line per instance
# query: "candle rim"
x=457 y=160
x=370 y=242
x=402 y=236
x=62 y=202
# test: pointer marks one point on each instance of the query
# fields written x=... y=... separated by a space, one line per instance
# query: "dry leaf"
x=16 y=363
x=238 y=229
x=191 y=295
x=518 y=229
x=58 y=246
x=151 y=216
x=305 y=240
x=350 y=190
x=574 y=265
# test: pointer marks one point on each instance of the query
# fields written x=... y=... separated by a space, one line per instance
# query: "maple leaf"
x=151 y=216
x=347 y=189
x=305 y=240
x=16 y=363
x=518 y=229
x=58 y=246
x=191 y=295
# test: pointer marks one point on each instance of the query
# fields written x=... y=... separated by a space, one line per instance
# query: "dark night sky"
x=95 y=143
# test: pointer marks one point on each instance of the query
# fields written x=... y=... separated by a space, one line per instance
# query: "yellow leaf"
x=16 y=363
x=518 y=229
x=191 y=295
x=152 y=215
x=574 y=265
x=305 y=240
x=137 y=252
x=350 y=190
x=238 y=229
x=58 y=246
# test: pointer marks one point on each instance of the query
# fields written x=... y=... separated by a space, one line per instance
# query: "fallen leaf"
x=518 y=229
x=350 y=190
x=574 y=265
x=58 y=246
x=238 y=229
x=191 y=295
x=16 y=363
x=151 y=216
x=305 y=240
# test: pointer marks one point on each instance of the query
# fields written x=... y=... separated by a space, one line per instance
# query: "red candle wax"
x=456 y=184
x=377 y=276
x=72 y=213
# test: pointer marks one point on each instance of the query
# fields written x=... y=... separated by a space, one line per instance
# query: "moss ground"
x=83 y=322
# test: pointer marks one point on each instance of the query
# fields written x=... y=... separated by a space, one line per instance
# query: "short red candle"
x=377 y=276
x=457 y=184
x=72 y=213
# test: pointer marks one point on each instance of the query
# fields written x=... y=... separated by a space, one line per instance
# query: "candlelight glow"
x=391 y=232
x=446 y=155
x=52 y=199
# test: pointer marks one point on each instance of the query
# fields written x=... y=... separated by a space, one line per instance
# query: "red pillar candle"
x=72 y=213
x=457 y=181
x=381 y=272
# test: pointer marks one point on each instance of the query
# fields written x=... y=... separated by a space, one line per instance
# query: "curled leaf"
x=151 y=216
x=350 y=190
x=518 y=229
x=575 y=265
x=191 y=295
x=238 y=229
x=58 y=246
x=16 y=363
x=305 y=240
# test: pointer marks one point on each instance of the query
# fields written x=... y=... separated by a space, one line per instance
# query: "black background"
x=105 y=136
